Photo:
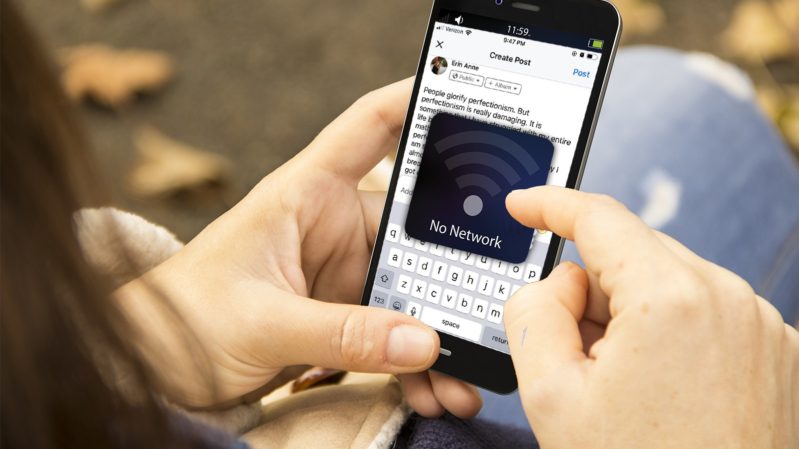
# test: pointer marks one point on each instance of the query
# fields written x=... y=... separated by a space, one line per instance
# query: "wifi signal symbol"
x=468 y=32
x=488 y=169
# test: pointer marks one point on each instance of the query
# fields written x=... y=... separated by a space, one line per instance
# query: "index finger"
x=363 y=134
x=614 y=243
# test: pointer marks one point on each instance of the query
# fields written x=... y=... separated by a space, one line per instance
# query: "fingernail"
x=409 y=346
x=513 y=193
x=561 y=269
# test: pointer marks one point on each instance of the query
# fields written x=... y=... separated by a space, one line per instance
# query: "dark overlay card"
x=467 y=170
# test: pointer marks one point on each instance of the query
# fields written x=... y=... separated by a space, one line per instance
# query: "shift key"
x=451 y=324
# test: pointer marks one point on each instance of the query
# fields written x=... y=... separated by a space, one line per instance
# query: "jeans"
x=681 y=142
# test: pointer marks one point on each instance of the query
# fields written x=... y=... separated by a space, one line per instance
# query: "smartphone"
x=507 y=95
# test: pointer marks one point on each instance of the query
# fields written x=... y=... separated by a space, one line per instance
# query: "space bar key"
x=451 y=324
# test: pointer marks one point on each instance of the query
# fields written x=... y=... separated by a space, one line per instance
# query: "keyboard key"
x=404 y=284
x=449 y=299
x=419 y=289
x=515 y=271
x=394 y=257
x=439 y=271
x=384 y=278
x=425 y=266
x=464 y=303
x=421 y=246
x=496 y=339
x=452 y=253
x=414 y=309
x=515 y=289
x=486 y=285
x=455 y=275
x=397 y=304
x=409 y=262
x=393 y=231
x=502 y=290
x=379 y=298
x=495 y=313
x=533 y=273
x=467 y=258
x=470 y=280
x=483 y=263
x=499 y=267
x=436 y=250
x=406 y=240
x=433 y=293
x=480 y=308
x=451 y=324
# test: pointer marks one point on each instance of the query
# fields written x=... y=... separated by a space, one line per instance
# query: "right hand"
x=650 y=345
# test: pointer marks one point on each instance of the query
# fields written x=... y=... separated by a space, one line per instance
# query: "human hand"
x=243 y=285
x=650 y=345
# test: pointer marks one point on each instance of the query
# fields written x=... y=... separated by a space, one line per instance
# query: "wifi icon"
x=491 y=171
x=467 y=170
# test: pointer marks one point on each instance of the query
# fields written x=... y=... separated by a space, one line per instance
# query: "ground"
x=257 y=79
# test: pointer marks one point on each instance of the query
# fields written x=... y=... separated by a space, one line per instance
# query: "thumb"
x=353 y=338
x=541 y=323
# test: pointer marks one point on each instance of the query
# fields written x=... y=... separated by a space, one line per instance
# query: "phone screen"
x=500 y=106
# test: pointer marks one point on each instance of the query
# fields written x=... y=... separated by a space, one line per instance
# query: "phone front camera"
x=498 y=2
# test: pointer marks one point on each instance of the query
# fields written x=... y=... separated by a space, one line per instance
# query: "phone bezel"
x=595 y=18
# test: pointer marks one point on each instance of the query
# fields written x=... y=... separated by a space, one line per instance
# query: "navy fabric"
x=449 y=432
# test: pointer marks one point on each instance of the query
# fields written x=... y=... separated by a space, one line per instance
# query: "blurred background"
x=189 y=103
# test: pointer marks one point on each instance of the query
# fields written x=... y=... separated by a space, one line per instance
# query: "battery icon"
x=596 y=44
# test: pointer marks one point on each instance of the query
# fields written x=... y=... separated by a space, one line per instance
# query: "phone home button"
x=445 y=352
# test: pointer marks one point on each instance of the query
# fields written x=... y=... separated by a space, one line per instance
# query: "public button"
x=379 y=298
x=496 y=339
x=384 y=278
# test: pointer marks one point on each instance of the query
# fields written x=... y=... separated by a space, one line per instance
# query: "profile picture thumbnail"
x=438 y=65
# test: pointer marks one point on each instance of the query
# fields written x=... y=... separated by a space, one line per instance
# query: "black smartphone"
x=507 y=95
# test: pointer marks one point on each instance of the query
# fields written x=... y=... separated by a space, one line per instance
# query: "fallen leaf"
x=789 y=122
x=113 y=77
x=640 y=17
x=771 y=101
x=788 y=13
x=167 y=166
x=97 y=5
x=756 y=33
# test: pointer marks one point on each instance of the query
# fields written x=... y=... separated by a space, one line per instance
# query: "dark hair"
x=59 y=325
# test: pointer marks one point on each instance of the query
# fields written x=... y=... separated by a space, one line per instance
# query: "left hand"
x=242 y=286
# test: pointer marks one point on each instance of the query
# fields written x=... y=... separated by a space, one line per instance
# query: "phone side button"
x=445 y=352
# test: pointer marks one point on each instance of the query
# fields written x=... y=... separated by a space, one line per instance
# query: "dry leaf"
x=640 y=17
x=756 y=33
x=788 y=13
x=789 y=122
x=113 y=77
x=771 y=101
x=167 y=166
x=97 y=5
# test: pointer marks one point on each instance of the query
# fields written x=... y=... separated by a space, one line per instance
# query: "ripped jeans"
x=681 y=142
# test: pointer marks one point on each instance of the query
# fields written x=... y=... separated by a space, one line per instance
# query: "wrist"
x=164 y=342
